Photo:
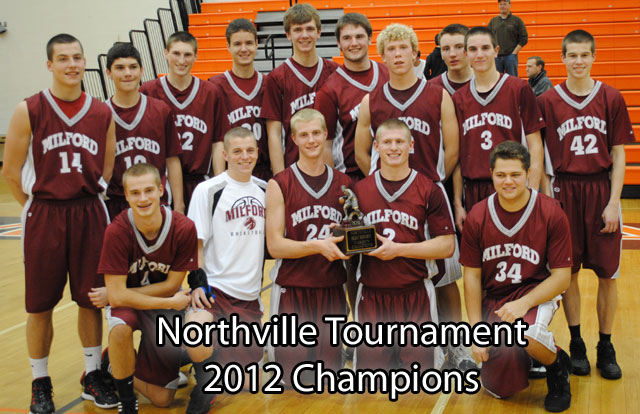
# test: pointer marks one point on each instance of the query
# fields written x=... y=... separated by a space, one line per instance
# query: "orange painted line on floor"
x=13 y=410
x=631 y=232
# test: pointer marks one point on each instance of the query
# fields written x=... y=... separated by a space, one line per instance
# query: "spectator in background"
x=512 y=36
x=537 y=75
x=435 y=65
x=419 y=66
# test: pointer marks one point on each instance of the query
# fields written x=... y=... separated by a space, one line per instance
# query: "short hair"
x=307 y=115
x=454 y=29
x=578 y=36
x=301 y=13
x=539 y=61
x=236 y=132
x=510 y=150
x=396 y=31
x=508 y=1
x=184 y=37
x=480 y=30
x=392 y=123
x=61 y=39
x=137 y=170
x=122 y=50
x=240 y=25
x=355 y=19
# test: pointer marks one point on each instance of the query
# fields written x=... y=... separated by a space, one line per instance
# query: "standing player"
x=147 y=251
x=293 y=85
x=394 y=278
x=231 y=205
x=516 y=247
x=58 y=157
x=241 y=89
x=587 y=127
x=458 y=72
x=492 y=108
x=195 y=107
x=308 y=277
x=145 y=130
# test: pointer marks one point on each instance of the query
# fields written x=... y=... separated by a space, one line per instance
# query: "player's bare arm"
x=16 y=148
x=363 y=139
x=141 y=298
x=218 y=158
x=174 y=170
x=198 y=296
x=328 y=153
x=551 y=287
x=545 y=185
x=109 y=152
x=460 y=212
x=450 y=133
x=611 y=213
x=439 y=247
x=276 y=151
x=534 y=144
x=473 y=302
x=284 y=248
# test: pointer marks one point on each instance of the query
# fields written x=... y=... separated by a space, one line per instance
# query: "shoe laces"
x=96 y=383
x=606 y=352
x=578 y=349
x=42 y=390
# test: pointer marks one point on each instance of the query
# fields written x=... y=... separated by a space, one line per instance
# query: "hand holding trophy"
x=358 y=238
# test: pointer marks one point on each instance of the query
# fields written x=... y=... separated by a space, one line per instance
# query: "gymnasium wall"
x=31 y=23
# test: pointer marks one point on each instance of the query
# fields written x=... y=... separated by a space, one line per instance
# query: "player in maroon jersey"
x=195 y=105
x=242 y=89
x=308 y=277
x=58 y=158
x=516 y=252
x=459 y=71
x=587 y=127
x=492 y=108
x=293 y=85
x=145 y=129
x=415 y=227
x=146 y=253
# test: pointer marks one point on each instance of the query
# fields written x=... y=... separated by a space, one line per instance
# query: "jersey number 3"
x=515 y=273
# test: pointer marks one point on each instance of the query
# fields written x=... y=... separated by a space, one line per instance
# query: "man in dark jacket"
x=512 y=36
x=435 y=65
x=537 y=75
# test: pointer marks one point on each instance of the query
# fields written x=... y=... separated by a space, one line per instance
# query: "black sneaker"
x=537 y=370
x=128 y=406
x=559 y=396
x=579 y=360
x=460 y=358
x=42 y=396
x=606 y=361
x=199 y=402
x=96 y=390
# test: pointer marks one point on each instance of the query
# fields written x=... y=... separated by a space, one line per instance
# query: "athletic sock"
x=555 y=365
x=605 y=337
x=575 y=331
x=125 y=388
x=39 y=367
x=92 y=356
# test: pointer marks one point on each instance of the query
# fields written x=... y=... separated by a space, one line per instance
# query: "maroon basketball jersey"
x=242 y=103
x=66 y=155
x=412 y=212
x=514 y=249
x=339 y=101
x=581 y=130
x=508 y=112
x=308 y=214
x=144 y=133
x=451 y=86
x=419 y=108
x=195 y=110
x=127 y=252
x=289 y=88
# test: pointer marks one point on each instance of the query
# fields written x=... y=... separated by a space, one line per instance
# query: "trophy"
x=357 y=237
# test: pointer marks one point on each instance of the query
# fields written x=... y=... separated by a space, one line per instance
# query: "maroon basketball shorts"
x=62 y=237
x=310 y=304
x=415 y=303
x=116 y=204
x=476 y=191
x=189 y=184
x=248 y=312
x=157 y=365
x=507 y=370
x=583 y=199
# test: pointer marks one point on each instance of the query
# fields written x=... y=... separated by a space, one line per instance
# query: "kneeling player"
x=147 y=251
x=393 y=283
x=516 y=246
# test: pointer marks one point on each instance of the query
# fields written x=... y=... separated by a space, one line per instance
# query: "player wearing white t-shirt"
x=232 y=203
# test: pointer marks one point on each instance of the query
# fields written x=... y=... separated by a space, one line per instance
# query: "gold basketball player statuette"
x=358 y=238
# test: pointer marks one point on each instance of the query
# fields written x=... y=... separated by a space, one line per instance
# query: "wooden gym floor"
x=591 y=394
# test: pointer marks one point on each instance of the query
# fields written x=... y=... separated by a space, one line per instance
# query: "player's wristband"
x=198 y=279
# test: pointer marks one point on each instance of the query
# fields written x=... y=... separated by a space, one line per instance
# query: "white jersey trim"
x=136 y=120
x=307 y=188
x=239 y=91
x=447 y=85
x=172 y=98
x=403 y=107
x=77 y=117
x=310 y=83
x=518 y=226
x=393 y=197
x=366 y=88
x=579 y=106
x=162 y=237
x=496 y=89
